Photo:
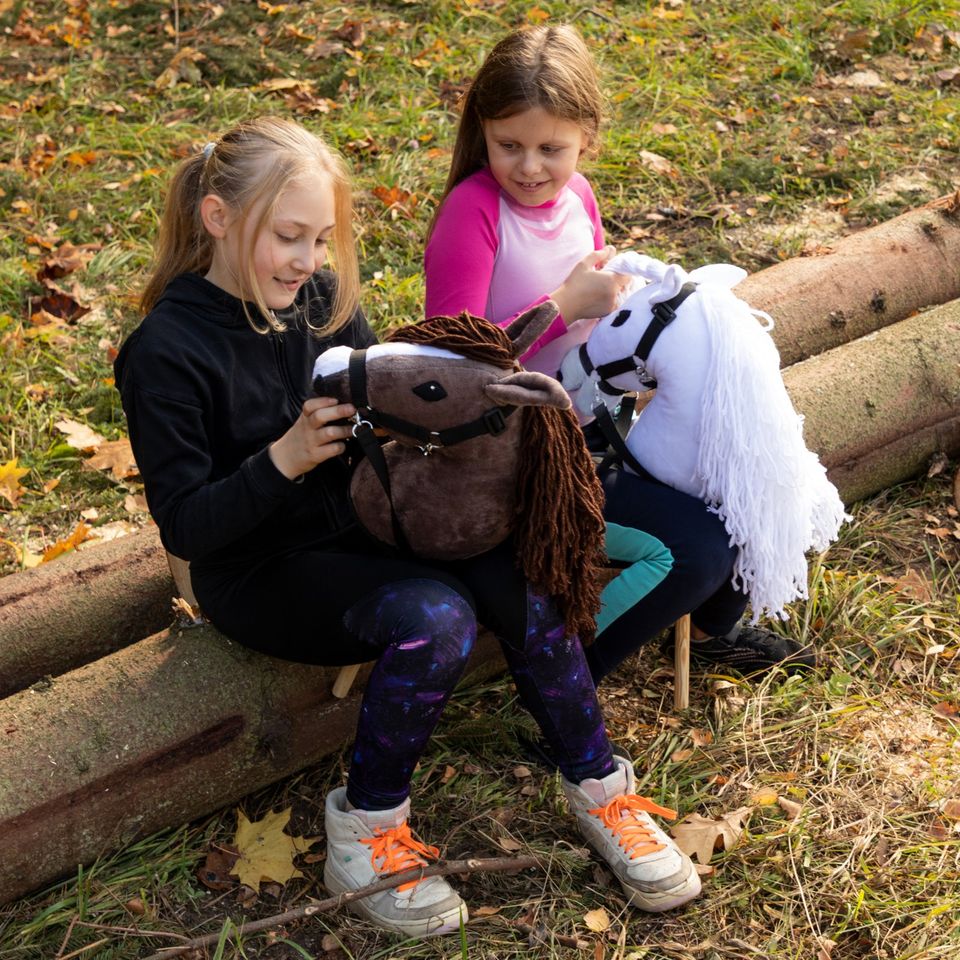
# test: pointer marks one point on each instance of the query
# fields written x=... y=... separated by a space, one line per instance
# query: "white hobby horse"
x=720 y=426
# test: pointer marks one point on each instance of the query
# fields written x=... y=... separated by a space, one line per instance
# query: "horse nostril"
x=620 y=319
x=430 y=390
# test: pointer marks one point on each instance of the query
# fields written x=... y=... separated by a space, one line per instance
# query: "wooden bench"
x=180 y=569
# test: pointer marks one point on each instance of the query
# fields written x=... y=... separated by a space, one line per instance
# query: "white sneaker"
x=653 y=871
x=366 y=845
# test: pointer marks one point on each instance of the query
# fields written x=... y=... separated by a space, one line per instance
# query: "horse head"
x=720 y=426
x=479 y=450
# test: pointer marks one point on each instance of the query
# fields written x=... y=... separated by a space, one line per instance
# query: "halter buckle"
x=430 y=446
x=494 y=422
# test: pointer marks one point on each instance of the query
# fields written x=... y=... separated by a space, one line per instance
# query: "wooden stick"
x=346 y=676
x=681 y=663
x=494 y=865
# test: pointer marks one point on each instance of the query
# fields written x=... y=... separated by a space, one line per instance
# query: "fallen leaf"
x=215 y=871
x=448 y=774
x=657 y=164
x=951 y=809
x=701 y=738
x=79 y=435
x=597 y=920
x=915 y=586
x=80 y=533
x=10 y=475
x=115 y=456
x=509 y=844
x=791 y=808
x=946 y=710
x=265 y=851
x=679 y=756
x=765 y=797
x=699 y=836
x=521 y=772
x=484 y=911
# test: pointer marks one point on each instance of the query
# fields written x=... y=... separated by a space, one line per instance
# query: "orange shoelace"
x=633 y=833
x=398 y=850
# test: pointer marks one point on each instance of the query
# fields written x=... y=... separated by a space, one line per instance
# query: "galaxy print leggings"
x=347 y=603
x=427 y=631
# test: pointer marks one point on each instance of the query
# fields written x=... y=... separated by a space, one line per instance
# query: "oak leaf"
x=699 y=836
x=265 y=851
x=115 y=456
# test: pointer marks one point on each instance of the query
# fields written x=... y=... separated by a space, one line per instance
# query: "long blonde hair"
x=545 y=66
x=254 y=161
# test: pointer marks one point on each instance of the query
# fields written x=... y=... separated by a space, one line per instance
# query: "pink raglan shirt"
x=495 y=257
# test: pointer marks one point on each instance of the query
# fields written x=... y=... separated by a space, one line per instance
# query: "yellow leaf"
x=80 y=533
x=266 y=852
x=597 y=920
x=10 y=475
x=765 y=797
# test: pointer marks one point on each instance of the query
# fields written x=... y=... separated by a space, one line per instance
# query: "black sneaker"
x=750 y=650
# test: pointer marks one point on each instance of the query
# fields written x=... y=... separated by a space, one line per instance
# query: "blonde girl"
x=247 y=477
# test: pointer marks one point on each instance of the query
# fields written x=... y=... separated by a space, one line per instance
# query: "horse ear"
x=530 y=325
x=528 y=389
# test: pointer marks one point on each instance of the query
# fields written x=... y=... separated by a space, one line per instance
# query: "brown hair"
x=253 y=162
x=558 y=523
x=545 y=66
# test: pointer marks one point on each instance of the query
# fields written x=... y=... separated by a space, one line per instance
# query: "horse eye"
x=621 y=318
x=431 y=390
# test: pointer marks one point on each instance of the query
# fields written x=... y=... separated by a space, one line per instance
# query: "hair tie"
x=208 y=150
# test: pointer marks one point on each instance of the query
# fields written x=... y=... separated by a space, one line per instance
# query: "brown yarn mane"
x=558 y=525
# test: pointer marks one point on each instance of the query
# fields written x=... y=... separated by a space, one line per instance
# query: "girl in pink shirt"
x=516 y=225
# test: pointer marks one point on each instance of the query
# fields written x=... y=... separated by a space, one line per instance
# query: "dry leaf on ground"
x=79 y=435
x=597 y=920
x=266 y=852
x=115 y=456
x=699 y=836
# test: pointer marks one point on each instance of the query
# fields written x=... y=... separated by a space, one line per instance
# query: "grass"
x=749 y=103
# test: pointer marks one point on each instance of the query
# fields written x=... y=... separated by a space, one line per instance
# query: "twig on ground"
x=493 y=865
x=543 y=935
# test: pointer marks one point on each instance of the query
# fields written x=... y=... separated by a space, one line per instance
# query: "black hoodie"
x=204 y=396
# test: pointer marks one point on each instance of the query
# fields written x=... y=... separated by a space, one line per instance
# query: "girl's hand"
x=588 y=291
x=313 y=438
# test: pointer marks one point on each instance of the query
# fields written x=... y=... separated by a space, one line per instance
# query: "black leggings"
x=418 y=620
x=698 y=582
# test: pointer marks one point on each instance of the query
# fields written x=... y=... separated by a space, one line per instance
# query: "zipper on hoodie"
x=280 y=354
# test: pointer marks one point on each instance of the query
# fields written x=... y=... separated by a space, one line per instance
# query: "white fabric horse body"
x=721 y=425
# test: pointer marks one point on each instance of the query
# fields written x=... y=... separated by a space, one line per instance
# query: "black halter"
x=663 y=314
x=491 y=422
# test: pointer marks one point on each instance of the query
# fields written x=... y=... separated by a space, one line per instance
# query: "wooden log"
x=81 y=607
x=867 y=281
x=154 y=735
x=877 y=409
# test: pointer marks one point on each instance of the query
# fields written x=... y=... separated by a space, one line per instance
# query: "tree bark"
x=877 y=409
x=82 y=606
x=155 y=735
x=868 y=280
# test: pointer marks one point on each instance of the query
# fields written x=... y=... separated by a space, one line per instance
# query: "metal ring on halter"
x=359 y=423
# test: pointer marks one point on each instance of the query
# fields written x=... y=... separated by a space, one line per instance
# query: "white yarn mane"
x=756 y=473
x=753 y=468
